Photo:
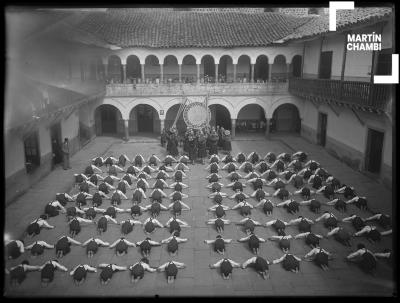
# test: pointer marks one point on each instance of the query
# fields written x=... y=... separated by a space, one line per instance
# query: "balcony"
x=171 y=89
x=362 y=95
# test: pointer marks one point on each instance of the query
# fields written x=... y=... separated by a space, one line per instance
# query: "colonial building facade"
x=129 y=70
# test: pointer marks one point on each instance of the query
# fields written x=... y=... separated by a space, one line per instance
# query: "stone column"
x=143 y=76
x=216 y=73
x=161 y=73
x=270 y=72
x=106 y=71
x=252 y=73
x=124 y=73
x=180 y=73
x=198 y=73
x=233 y=131
x=126 y=127
x=287 y=70
x=234 y=72
x=162 y=124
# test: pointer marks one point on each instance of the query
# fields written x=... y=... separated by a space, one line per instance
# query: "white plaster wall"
x=311 y=57
x=70 y=127
x=14 y=156
x=336 y=45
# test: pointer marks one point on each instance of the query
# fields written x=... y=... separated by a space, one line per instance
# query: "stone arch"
x=171 y=68
x=286 y=117
x=170 y=116
x=261 y=68
x=225 y=69
x=279 y=72
x=220 y=116
x=249 y=101
x=296 y=66
x=251 y=117
x=207 y=72
x=152 y=69
x=114 y=69
x=144 y=117
x=133 y=69
x=243 y=68
x=272 y=107
x=225 y=103
x=108 y=120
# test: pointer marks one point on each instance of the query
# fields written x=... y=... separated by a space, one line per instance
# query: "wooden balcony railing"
x=124 y=90
x=361 y=94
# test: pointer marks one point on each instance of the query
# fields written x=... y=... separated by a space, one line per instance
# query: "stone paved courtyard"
x=197 y=279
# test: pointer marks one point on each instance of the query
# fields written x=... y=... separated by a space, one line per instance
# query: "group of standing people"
x=197 y=143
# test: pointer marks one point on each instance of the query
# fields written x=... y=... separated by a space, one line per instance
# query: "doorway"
x=373 y=157
x=145 y=118
x=325 y=66
x=322 y=127
x=56 y=140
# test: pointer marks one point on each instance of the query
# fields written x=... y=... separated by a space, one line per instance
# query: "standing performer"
x=227 y=146
x=202 y=152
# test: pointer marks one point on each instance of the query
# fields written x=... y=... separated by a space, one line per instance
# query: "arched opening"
x=220 y=116
x=225 y=69
x=208 y=67
x=279 y=69
x=133 y=69
x=114 y=69
x=286 y=118
x=108 y=120
x=189 y=69
x=144 y=118
x=251 y=118
x=171 y=69
x=152 y=69
x=296 y=66
x=243 y=69
x=261 y=69
x=171 y=116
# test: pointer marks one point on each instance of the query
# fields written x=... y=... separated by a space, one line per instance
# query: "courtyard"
x=197 y=279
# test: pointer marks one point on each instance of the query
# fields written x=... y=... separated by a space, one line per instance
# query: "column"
x=162 y=124
x=143 y=77
x=234 y=72
x=267 y=127
x=180 y=73
x=269 y=72
x=161 y=73
x=198 y=73
x=216 y=73
x=106 y=72
x=233 y=131
x=287 y=70
x=252 y=73
x=124 y=73
x=126 y=127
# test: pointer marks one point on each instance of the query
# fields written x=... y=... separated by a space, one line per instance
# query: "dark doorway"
x=286 y=118
x=296 y=64
x=384 y=62
x=106 y=119
x=261 y=69
x=322 y=127
x=55 y=135
x=145 y=118
x=325 y=66
x=373 y=157
x=251 y=118
x=220 y=116
x=133 y=69
x=32 y=153
x=209 y=68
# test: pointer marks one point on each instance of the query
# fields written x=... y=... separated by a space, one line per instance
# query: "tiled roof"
x=159 y=29
x=345 y=19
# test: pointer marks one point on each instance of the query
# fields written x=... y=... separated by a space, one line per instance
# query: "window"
x=384 y=62
x=325 y=68
x=32 y=155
